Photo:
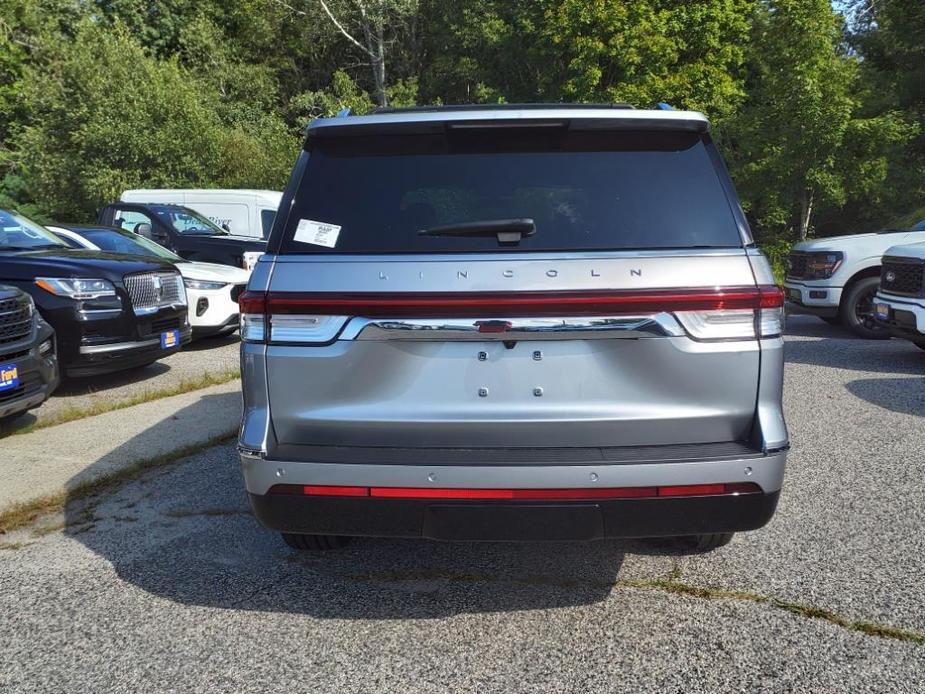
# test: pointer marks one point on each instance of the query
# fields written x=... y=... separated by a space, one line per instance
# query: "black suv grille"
x=796 y=265
x=15 y=319
x=902 y=276
x=164 y=324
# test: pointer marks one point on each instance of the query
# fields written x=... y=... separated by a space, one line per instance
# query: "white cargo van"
x=242 y=212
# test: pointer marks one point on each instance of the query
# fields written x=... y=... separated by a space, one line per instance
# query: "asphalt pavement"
x=167 y=583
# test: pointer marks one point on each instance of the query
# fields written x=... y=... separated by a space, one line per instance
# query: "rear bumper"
x=515 y=520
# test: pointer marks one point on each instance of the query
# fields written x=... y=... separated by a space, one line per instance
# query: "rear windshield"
x=583 y=190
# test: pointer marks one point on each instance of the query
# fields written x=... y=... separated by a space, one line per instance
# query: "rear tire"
x=705 y=543
x=315 y=543
x=856 y=310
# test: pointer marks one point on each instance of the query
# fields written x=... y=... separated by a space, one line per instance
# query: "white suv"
x=836 y=278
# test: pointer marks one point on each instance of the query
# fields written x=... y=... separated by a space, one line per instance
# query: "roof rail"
x=492 y=107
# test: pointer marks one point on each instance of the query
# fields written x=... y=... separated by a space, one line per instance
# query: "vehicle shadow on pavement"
x=865 y=356
x=802 y=325
x=95 y=384
x=184 y=532
x=207 y=343
x=902 y=395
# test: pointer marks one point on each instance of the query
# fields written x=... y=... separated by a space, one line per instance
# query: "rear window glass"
x=583 y=191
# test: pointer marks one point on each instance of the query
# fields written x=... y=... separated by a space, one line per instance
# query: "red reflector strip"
x=319 y=490
x=532 y=494
x=488 y=304
x=692 y=490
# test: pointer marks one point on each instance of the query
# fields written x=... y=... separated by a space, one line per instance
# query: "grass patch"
x=25 y=514
x=74 y=412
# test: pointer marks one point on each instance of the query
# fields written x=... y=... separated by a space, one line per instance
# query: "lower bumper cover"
x=514 y=521
x=800 y=300
x=39 y=378
x=101 y=359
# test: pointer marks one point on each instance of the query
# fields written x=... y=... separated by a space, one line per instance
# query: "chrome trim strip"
x=117 y=346
x=97 y=311
x=569 y=328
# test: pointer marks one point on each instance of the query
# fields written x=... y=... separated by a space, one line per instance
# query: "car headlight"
x=203 y=285
x=76 y=288
x=821 y=266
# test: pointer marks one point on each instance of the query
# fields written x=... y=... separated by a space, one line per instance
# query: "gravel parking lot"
x=216 y=355
x=167 y=582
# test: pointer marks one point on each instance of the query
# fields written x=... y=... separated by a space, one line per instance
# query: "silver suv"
x=512 y=323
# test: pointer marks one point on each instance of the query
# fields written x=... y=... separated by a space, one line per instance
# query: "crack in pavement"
x=670 y=585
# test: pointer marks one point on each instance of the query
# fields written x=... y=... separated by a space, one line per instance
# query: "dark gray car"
x=512 y=323
x=28 y=354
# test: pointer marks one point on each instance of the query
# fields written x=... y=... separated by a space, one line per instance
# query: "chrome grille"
x=15 y=319
x=902 y=276
x=150 y=291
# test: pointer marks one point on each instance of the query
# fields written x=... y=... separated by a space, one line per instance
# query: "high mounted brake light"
x=318 y=317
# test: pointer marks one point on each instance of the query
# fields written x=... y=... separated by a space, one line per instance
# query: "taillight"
x=252 y=306
x=718 y=313
x=263 y=319
x=764 y=318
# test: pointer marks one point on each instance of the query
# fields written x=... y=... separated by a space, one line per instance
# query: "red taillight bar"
x=720 y=489
x=487 y=304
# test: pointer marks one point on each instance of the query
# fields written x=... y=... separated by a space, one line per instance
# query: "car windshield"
x=185 y=221
x=121 y=241
x=20 y=234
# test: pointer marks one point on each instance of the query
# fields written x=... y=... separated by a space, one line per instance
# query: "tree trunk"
x=375 y=47
x=806 y=212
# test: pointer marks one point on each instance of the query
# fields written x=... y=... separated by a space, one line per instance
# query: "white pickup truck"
x=899 y=306
x=836 y=278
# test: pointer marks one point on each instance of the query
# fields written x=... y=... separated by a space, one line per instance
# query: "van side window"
x=266 y=222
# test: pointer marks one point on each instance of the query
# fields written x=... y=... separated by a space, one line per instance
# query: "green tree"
x=787 y=139
x=639 y=51
x=103 y=116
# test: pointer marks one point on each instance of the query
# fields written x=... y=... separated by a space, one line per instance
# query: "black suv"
x=109 y=311
x=28 y=363
x=185 y=232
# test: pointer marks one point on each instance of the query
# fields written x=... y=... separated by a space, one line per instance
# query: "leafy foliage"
x=820 y=120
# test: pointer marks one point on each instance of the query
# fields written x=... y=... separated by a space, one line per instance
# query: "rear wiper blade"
x=506 y=230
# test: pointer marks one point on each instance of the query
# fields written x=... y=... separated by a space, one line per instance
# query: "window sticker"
x=317 y=233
